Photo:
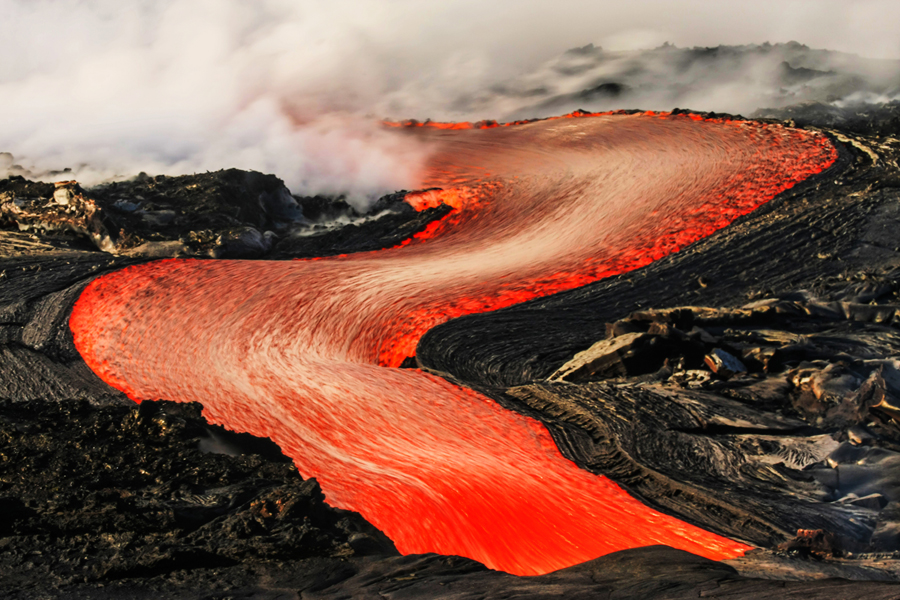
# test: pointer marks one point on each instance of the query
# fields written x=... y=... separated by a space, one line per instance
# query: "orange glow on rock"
x=301 y=351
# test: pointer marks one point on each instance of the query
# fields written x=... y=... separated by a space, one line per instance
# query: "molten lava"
x=302 y=351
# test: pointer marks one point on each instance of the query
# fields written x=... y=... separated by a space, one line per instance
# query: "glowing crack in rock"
x=304 y=352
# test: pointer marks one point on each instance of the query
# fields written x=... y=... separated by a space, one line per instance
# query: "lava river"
x=305 y=352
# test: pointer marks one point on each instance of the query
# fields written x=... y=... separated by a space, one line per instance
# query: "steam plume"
x=110 y=87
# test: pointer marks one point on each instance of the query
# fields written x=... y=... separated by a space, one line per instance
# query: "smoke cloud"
x=109 y=88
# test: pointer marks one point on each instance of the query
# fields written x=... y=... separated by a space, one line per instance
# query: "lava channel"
x=304 y=352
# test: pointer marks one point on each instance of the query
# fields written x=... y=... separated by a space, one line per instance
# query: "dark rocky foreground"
x=150 y=501
x=748 y=384
x=84 y=504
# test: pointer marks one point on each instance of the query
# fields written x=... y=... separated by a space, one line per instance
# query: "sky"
x=295 y=87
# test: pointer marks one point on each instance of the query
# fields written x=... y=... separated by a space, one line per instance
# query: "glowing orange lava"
x=490 y=123
x=301 y=351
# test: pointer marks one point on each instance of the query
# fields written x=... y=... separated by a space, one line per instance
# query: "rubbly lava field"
x=613 y=332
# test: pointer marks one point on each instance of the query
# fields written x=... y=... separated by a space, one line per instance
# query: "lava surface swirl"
x=305 y=352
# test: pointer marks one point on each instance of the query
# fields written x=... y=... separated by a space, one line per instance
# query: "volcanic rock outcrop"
x=225 y=214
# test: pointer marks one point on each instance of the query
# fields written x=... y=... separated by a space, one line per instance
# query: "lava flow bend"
x=305 y=352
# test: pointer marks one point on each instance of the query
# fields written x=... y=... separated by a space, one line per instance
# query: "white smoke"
x=734 y=79
x=297 y=87
x=109 y=89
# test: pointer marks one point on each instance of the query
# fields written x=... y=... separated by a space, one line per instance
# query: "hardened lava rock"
x=92 y=495
x=222 y=214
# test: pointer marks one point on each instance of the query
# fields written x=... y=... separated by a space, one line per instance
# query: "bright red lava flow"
x=300 y=351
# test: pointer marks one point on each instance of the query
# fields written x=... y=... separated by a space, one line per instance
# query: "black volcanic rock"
x=623 y=575
x=155 y=216
x=861 y=118
x=383 y=230
x=216 y=200
x=19 y=187
x=125 y=492
x=222 y=214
